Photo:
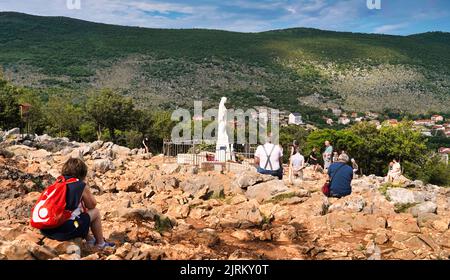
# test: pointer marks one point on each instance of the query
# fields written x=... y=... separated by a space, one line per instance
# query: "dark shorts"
x=276 y=173
x=69 y=230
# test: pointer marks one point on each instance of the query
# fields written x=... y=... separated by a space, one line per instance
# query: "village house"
x=344 y=121
x=372 y=116
x=392 y=122
x=329 y=121
x=359 y=119
x=295 y=118
x=437 y=118
x=337 y=112
x=354 y=115
x=424 y=122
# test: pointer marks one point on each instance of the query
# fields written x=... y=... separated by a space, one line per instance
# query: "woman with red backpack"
x=66 y=210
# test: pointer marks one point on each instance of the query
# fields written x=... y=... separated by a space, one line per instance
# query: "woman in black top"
x=313 y=159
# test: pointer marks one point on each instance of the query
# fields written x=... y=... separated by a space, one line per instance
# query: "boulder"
x=243 y=215
x=405 y=196
x=250 y=178
x=16 y=250
x=208 y=237
x=128 y=185
x=170 y=168
x=12 y=132
x=203 y=187
x=284 y=233
x=120 y=152
x=404 y=223
x=352 y=203
x=268 y=190
x=39 y=155
x=368 y=222
x=135 y=213
x=424 y=207
x=243 y=235
x=96 y=145
x=103 y=165
x=178 y=211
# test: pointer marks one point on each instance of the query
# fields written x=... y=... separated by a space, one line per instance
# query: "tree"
x=63 y=118
x=402 y=142
x=110 y=110
x=9 y=107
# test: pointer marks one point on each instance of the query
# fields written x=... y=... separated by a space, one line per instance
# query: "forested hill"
x=298 y=69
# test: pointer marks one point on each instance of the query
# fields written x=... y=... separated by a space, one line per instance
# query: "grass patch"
x=281 y=197
x=266 y=220
x=385 y=187
x=403 y=208
x=162 y=224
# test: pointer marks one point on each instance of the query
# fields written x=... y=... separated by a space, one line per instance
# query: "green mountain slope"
x=305 y=70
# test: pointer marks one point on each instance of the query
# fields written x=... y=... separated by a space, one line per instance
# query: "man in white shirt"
x=297 y=164
x=268 y=159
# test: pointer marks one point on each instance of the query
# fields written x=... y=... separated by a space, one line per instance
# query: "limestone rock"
x=404 y=196
x=352 y=203
x=170 y=168
x=267 y=191
x=424 y=207
x=250 y=178
x=243 y=235
x=103 y=165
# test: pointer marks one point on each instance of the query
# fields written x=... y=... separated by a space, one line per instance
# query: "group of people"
x=340 y=169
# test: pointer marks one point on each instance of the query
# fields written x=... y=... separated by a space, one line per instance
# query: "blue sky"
x=398 y=17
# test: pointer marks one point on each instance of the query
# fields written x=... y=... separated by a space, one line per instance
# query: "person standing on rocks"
x=335 y=156
x=81 y=202
x=146 y=143
x=313 y=160
x=340 y=176
x=327 y=155
x=268 y=159
x=355 y=167
x=296 y=166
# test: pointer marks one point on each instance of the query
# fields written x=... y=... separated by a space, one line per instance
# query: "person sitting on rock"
x=81 y=202
x=268 y=158
x=395 y=171
x=341 y=175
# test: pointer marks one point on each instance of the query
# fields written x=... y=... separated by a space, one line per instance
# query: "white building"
x=344 y=120
x=295 y=118
x=336 y=111
x=437 y=118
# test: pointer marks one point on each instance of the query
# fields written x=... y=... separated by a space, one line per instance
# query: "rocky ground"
x=155 y=209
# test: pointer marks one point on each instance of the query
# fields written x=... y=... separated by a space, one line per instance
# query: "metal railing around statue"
x=195 y=152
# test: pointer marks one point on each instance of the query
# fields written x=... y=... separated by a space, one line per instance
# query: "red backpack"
x=50 y=209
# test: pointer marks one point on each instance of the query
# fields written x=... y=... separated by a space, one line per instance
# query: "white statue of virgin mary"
x=224 y=151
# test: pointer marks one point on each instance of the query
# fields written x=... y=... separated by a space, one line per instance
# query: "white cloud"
x=389 y=28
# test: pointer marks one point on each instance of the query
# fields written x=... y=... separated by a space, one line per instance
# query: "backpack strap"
x=335 y=172
x=62 y=179
x=268 y=162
